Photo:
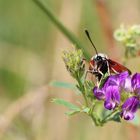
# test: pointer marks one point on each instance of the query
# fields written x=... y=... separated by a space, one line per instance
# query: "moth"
x=100 y=64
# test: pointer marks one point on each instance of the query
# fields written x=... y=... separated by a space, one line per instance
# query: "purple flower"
x=112 y=97
x=99 y=93
x=111 y=93
x=129 y=108
x=117 y=80
x=136 y=83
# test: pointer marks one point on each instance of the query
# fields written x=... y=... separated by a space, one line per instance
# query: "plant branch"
x=61 y=27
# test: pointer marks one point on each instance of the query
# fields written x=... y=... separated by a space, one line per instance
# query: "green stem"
x=95 y=119
x=86 y=101
x=61 y=27
x=82 y=90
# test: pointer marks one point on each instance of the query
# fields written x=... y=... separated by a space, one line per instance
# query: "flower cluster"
x=128 y=36
x=120 y=91
x=74 y=63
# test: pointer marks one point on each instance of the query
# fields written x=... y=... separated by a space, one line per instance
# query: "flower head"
x=74 y=63
x=112 y=92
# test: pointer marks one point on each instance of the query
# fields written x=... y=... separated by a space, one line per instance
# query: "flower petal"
x=109 y=105
x=126 y=85
x=136 y=83
x=112 y=97
x=99 y=93
x=127 y=115
x=111 y=81
x=122 y=76
x=116 y=80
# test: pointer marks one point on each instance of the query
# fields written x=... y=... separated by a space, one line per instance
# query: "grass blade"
x=61 y=27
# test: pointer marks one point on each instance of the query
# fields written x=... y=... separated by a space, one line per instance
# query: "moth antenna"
x=87 y=33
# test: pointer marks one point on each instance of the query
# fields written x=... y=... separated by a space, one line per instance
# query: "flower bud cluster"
x=74 y=63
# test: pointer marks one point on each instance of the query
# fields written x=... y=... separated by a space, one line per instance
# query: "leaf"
x=61 y=27
x=86 y=110
x=67 y=104
x=116 y=117
x=62 y=84
x=70 y=113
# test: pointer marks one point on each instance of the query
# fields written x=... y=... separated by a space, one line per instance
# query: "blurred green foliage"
x=13 y=83
x=27 y=44
x=24 y=25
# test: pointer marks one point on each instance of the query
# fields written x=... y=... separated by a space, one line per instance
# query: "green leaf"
x=66 y=104
x=89 y=89
x=116 y=117
x=62 y=84
x=61 y=27
x=86 y=110
x=70 y=113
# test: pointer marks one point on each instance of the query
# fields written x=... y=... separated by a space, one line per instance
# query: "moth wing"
x=115 y=67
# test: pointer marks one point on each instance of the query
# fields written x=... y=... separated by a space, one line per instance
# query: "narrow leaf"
x=116 y=118
x=70 y=113
x=62 y=84
x=67 y=104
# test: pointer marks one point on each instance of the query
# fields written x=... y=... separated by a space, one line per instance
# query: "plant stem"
x=82 y=90
x=95 y=120
x=94 y=117
x=86 y=101
x=61 y=27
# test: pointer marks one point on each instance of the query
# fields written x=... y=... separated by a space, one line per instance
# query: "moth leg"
x=88 y=71
x=108 y=68
x=98 y=75
x=99 y=80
